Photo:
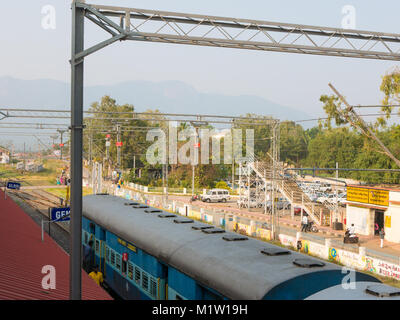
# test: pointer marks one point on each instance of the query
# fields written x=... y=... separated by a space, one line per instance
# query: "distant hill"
x=167 y=96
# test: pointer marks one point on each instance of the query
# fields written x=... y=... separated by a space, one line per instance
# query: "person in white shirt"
x=304 y=223
x=352 y=230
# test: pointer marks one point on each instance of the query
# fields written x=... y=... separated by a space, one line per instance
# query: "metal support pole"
x=248 y=187
x=166 y=167
x=90 y=147
x=119 y=147
x=336 y=193
x=265 y=192
x=76 y=152
x=163 y=182
x=192 y=180
x=194 y=159
x=61 y=141
x=134 y=166
x=24 y=159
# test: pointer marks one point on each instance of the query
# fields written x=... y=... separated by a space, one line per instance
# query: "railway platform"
x=25 y=261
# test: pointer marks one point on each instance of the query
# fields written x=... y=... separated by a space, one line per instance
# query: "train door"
x=92 y=230
x=379 y=221
x=163 y=286
x=102 y=251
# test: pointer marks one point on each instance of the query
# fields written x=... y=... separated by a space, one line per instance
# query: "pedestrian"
x=382 y=236
x=88 y=256
x=304 y=224
x=96 y=275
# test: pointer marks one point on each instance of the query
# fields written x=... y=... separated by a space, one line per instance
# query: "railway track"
x=40 y=201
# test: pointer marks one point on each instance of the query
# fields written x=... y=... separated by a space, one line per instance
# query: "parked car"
x=325 y=187
x=244 y=203
x=279 y=205
x=297 y=211
x=216 y=195
x=342 y=199
x=324 y=197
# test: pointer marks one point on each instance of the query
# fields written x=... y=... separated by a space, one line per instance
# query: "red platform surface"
x=23 y=255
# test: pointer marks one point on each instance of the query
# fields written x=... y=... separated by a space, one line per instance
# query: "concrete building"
x=4 y=155
x=372 y=208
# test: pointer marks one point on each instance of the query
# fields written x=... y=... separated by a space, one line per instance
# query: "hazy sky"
x=30 y=52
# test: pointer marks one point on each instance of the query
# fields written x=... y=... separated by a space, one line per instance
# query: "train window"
x=97 y=247
x=145 y=281
x=130 y=270
x=153 y=287
x=137 y=275
x=112 y=257
x=123 y=267
x=118 y=261
x=92 y=227
x=107 y=254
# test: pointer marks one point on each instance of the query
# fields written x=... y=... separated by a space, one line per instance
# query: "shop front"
x=365 y=207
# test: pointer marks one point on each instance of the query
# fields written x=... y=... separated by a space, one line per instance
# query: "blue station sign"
x=13 y=185
x=60 y=214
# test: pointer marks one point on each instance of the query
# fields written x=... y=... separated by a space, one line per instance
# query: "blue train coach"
x=147 y=253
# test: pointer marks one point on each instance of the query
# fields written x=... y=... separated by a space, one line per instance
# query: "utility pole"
x=134 y=166
x=363 y=126
x=336 y=193
x=54 y=139
x=275 y=160
x=166 y=166
x=119 y=144
x=77 y=64
x=24 y=157
x=61 y=132
x=90 y=147
x=194 y=156
x=107 y=146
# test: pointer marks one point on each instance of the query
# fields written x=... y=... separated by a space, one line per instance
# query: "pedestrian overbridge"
x=257 y=170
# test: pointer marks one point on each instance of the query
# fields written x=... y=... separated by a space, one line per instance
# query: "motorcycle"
x=311 y=227
x=350 y=238
x=195 y=197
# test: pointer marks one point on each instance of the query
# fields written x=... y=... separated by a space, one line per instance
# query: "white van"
x=216 y=195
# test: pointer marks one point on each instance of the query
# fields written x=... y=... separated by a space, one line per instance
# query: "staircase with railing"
x=288 y=187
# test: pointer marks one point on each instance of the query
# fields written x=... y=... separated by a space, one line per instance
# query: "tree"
x=293 y=143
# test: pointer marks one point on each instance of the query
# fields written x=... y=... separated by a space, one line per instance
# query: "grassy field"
x=52 y=169
x=62 y=192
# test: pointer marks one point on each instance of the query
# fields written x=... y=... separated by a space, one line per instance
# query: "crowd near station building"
x=372 y=208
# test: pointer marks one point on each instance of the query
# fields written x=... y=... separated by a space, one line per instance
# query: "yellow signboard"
x=388 y=221
x=357 y=194
x=365 y=195
x=127 y=244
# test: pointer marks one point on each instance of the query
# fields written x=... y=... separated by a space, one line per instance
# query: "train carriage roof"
x=236 y=269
